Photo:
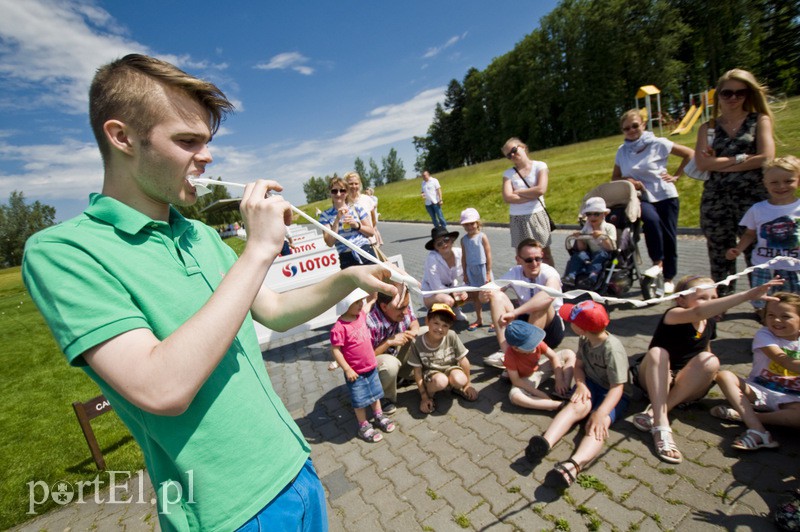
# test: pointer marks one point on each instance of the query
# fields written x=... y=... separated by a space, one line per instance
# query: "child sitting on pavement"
x=529 y=361
x=352 y=349
x=439 y=359
x=601 y=371
x=593 y=244
x=774 y=381
x=679 y=366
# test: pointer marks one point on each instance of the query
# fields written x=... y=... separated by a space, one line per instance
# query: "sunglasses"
x=635 y=125
x=530 y=260
x=338 y=191
x=727 y=94
x=442 y=241
x=512 y=152
x=595 y=213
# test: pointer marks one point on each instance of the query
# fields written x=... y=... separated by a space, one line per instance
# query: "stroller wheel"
x=652 y=287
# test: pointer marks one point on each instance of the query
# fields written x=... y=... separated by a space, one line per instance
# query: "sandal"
x=491 y=329
x=753 y=440
x=465 y=394
x=383 y=422
x=560 y=477
x=369 y=434
x=473 y=326
x=725 y=412
x=538 y=447
x=643 y=421
x=333 y=365
x=662 y=437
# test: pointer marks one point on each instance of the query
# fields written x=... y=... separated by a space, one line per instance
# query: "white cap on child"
x=352 y=297
x=469 y=215
x=595 y=204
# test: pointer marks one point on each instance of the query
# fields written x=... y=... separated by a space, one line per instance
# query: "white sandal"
x=748 y=442
x=662 y=438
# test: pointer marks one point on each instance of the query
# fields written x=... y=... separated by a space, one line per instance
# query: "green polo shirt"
x=111 y=270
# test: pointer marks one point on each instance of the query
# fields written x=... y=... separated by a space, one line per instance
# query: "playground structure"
x=647 y=92
x=694 y=113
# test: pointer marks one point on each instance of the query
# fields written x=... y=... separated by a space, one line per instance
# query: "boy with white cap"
x=352 y=348
x=593 y=245
x=601 y=371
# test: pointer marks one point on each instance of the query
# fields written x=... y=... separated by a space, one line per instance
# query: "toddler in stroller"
x=592 y=246
x=620 y=269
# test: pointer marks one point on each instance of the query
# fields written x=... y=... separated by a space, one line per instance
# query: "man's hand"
x=507 y=318
x=426 y=405
x=261 y=214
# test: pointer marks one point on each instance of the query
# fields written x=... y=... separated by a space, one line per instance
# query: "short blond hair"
x=790 y=163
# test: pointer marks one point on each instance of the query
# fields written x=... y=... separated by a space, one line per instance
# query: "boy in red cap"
x=600 y=372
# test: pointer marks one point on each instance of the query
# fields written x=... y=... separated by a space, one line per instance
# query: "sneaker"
x=669 y=287
x=569 y=279
x=495 y=360
x=653 y=271
x=388 y=407
x=460 y=316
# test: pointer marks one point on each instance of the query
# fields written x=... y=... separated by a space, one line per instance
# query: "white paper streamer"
x=201 y=184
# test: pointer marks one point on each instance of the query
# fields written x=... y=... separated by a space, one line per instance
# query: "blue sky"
x=316 y=84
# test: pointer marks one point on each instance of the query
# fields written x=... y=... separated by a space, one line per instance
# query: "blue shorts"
x=599 y=394
x=299 y=506
x=366 y=389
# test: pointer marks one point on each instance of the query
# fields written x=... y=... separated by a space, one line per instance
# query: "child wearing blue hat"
x=529 y=361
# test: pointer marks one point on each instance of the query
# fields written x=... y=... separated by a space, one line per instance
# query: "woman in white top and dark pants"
x=642 y=160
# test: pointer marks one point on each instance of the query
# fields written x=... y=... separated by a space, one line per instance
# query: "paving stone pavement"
x=463 y=466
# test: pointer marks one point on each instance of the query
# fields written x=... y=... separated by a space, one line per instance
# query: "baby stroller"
x=621 y=271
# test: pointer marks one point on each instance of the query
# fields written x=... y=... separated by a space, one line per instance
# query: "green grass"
x=574 y=170
x=41 y=438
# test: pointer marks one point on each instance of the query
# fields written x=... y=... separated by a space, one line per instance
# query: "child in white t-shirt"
x=593 y=243
x=773 y=386
x=774 y=226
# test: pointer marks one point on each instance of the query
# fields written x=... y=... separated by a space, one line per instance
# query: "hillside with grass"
x=574 y=170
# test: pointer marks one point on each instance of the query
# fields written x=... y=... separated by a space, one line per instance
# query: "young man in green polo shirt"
x=156 y=309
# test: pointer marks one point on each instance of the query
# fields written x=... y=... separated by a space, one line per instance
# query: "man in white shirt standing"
x=533 y=304
x=432 y=194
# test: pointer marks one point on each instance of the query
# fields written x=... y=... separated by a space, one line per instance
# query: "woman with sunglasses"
x=642 y=160
x=524 y=186
x=739 y=143
x=367 y=204
x=351 y=223
x=443 y=269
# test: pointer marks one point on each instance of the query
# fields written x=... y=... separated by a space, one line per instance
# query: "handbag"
x=691 y=167
x=553 y=225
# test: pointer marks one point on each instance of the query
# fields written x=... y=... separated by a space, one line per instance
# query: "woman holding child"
x=351 y=223
x=524 y=186
x=733 y=146
x=642 y=160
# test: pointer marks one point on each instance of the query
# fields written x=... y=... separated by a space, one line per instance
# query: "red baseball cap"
x=587 y=315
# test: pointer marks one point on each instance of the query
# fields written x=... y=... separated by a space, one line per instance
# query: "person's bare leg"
x=499 y=304
x=693 y=381
x=571 y=413
x=735 y=390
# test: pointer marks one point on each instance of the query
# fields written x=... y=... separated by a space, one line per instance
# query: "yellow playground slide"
x=688 y=121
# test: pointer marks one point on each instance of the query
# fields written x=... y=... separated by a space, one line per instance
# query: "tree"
x=361 y=170
x=221 y=217
x=393 y=170
x=315 y=189
x=18 y=221
x=375 y=177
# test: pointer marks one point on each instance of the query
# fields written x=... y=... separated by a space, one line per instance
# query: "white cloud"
x=71 y=169
x=436 y=50
x=50 y=50
x=292 y=60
